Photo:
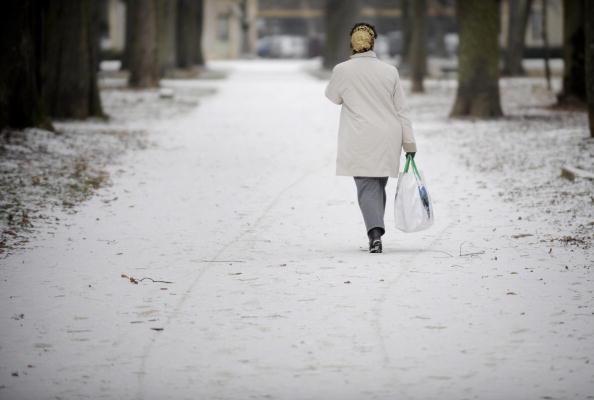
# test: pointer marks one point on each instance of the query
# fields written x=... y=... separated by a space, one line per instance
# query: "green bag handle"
x=410 y=161
x=408 y=158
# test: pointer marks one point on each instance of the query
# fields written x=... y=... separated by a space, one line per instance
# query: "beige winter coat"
x=374 y=125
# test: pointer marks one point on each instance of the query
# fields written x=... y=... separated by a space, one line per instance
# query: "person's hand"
x=412 y=154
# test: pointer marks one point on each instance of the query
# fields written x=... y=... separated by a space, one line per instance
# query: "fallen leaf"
x=347 y=281
x=134 y=281
x=125 y=276
x=514 y=272
x=571 y=239
x=157 y=329
x=283 y=265
x=511 y=293
x=521 y=235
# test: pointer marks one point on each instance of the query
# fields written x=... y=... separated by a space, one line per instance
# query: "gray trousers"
x=371 y=193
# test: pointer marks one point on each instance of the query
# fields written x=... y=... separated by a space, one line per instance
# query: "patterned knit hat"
x=362 y=38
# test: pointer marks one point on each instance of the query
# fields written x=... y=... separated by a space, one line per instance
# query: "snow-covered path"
x=274 y=295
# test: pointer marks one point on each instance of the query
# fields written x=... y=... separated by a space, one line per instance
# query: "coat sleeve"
x=333 y=90
x=408 y=139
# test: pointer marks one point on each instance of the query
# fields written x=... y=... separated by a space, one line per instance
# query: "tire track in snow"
x=453 y=214
x=179 y=305
x=380 y=309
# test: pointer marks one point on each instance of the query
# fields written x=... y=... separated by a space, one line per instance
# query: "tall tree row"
x=49 y=61
x=162 y=35
x=340 y=15
x=478 y=60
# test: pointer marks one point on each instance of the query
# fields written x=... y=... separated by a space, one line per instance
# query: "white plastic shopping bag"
x=413 y=211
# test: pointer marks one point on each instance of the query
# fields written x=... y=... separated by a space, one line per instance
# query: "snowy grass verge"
x=42 y=170
x=521 y=155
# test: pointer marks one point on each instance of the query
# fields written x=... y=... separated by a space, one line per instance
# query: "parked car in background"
x=283 y=46
x=451 y=44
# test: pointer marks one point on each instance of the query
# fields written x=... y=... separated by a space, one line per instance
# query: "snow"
x=274 y=294
x=41 y=170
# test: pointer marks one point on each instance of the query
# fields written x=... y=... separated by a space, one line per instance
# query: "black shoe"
x=375 y=240
x=375 y=246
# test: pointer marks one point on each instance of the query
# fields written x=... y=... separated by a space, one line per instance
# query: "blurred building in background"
x=295 y=28
x=290 y=28
x=230 y=28
x=113 y=26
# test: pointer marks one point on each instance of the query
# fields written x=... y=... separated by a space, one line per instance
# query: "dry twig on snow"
x=135 y=281
x=476 y=253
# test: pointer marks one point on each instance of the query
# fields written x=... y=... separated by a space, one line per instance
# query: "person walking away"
x=374 y=126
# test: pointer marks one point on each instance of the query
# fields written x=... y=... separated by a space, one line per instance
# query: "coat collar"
x=369 y=53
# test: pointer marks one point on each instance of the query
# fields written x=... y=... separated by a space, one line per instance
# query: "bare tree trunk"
x=545 y=41
x=478 y=71
x=144 y=70
x=590 y=63
x=418 y=49
x=21 y=100
x=198 y=55
x=189 y=33
x=406 y=33
x=186 y=30
x=341 y=15
x=439 y=29
x=70 y=59
x=574 y=74
x=129 y=29
x=166 y=35
x=94 y=36
x=246 y=50
x=519 y=11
